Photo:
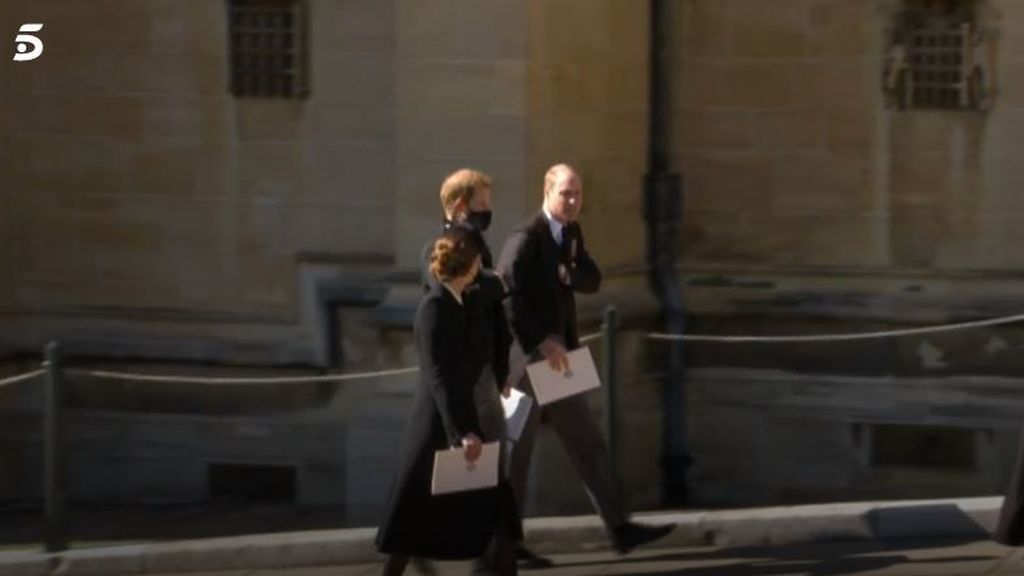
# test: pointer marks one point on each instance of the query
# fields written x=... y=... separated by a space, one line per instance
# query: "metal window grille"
x=269 y=40
x=938 y=38
x=936 y=56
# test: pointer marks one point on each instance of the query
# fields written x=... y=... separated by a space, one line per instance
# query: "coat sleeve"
x=502 y=343
x=452 y=397
x=584 y=275
x=513 y=266
x=492 y=294
x=491 y=285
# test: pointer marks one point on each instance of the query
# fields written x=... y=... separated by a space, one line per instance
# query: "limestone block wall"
x=135 y=182
x=765 y=437
x=21 y=440
x=793 y=159
x=459 y=83
x=587 y=101
x=777 y=110
x=955 y=178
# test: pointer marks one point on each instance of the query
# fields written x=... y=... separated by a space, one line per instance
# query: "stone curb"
x=956 y=518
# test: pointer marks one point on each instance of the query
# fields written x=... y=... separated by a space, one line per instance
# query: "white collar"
x=555 y=226
x=456 y=295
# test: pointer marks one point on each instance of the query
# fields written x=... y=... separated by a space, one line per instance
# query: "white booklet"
x=452 y=473
x=517 y=410
x=549 y=385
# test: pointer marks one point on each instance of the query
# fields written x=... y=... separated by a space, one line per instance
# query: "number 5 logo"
x=25 y=41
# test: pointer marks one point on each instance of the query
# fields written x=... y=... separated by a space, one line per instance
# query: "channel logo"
x=28 y=47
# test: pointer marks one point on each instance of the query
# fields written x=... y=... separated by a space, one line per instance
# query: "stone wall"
x=138 y=186
x=766 y=437
x=587 y=102
x=778 y=111
x=792 y=157
x=148 y=213
x=459 y=81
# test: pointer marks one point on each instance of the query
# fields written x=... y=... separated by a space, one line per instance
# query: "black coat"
x=541 y=302
x=489 y=333
x=1010 y=528
x=417 y=523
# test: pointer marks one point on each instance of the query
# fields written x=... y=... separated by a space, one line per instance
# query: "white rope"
x=20 y=378
x=126 y=376
x=242 y=380
x=841 y=337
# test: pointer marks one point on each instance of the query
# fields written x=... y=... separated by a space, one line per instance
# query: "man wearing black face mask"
x=466 y=201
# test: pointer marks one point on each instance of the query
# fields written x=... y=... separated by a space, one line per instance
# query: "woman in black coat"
x=450 y=526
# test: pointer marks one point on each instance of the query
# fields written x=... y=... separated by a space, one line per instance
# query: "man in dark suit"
x=544 y=263
x=466 y=202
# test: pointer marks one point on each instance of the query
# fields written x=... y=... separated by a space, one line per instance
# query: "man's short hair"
x=461 y=185
x=554 y=171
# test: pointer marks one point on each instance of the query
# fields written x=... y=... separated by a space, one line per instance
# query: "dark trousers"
x=1010 y=530
x=584 y=443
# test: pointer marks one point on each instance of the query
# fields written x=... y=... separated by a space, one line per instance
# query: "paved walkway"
x=896 y=558
x=757 y=542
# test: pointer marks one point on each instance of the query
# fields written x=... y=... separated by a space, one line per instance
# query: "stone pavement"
x=937 y=557
x=761 y=532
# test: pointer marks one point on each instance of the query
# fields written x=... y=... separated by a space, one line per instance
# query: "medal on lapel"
x=563 y=274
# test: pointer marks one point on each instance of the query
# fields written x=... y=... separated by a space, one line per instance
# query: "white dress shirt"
x=555 y=225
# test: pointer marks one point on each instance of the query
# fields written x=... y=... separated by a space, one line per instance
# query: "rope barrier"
x=12 y=380
x=126 y=376
x=841 y=337
x=165 y=379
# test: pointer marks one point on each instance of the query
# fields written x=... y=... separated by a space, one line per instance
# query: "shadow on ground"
x=821 y=559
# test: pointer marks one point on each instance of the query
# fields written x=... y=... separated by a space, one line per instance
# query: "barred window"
x=269 y=46
x=931 y=60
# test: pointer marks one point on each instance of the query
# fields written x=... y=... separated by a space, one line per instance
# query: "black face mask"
x=481 y=220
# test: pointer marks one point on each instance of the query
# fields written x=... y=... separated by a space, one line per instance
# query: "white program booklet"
x=452 y=473
x=549 y=385
x=517 y=410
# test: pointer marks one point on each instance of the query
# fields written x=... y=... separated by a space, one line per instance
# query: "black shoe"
x=527 y=560
x=630 y=535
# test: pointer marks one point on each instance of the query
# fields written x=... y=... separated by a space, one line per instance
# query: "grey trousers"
x=584 y=443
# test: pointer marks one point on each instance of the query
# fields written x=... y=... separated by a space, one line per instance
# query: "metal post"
x=55 y=450
x=611 y=383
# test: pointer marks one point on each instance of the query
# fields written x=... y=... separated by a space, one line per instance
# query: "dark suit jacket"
x=490 y=338
x=541 y=304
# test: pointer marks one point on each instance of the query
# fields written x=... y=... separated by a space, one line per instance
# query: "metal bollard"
x=55 y=533
x=611 y=383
